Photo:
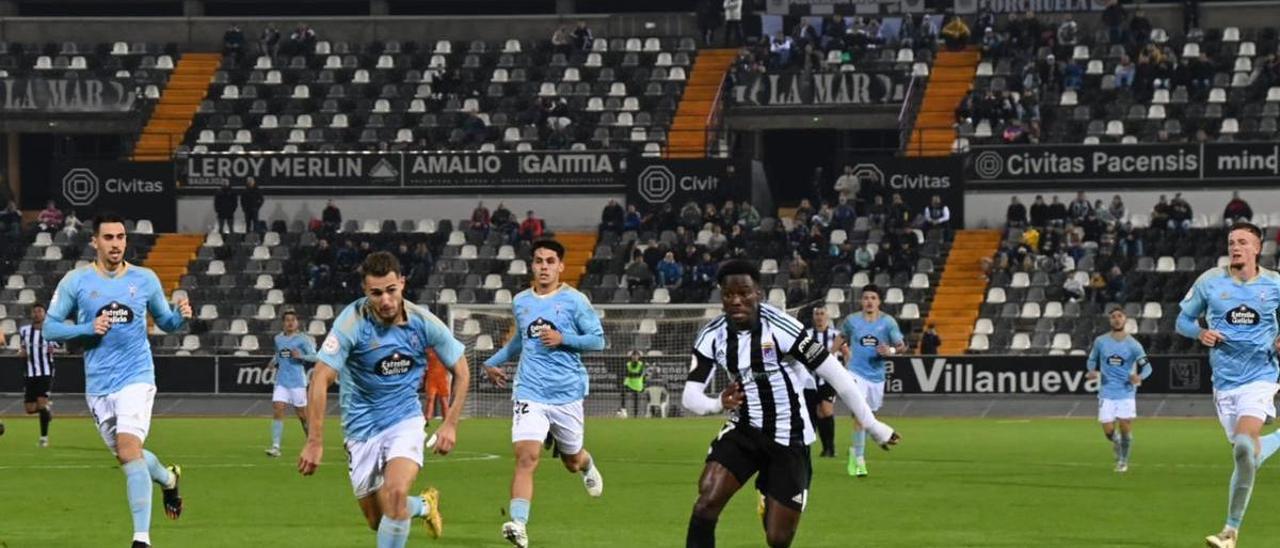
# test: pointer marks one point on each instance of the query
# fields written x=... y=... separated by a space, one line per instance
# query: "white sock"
x=142 y=537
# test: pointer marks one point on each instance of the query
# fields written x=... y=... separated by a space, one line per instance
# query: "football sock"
x=418 y=507
x=1126 y=443
x=1115 y=443
x=277 y=431
x=520 y=510
x=1241 y=479
x=702 y=533
x=45 y=417
x=1270 y=443
x=827 y=431
x=138 y=488
x=586 y=468
x=859 y=442
x=393 y=533
x=156 y=470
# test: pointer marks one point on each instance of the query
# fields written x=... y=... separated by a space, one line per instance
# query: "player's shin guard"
x=45 y=418
x=158 y=473
x=702 y=533
x=277 y=432
x=138 y=488
x=859 y=442
x=1241 y=479
x=393 y=533
x=1126 y=443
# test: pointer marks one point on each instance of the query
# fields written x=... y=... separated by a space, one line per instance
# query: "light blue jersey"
x=552 y=376
x=381 y=366
x=863 y=337
x=1245 y=314
x=291 y=372
x=122 y=356
x=1117 y=360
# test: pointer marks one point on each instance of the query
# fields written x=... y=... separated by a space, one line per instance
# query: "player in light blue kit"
x=1238 y=305
x=1122 y=364
x=866 y=339
x=108 y=302
x=294 y=349
x=377 y=350
x=554 y=325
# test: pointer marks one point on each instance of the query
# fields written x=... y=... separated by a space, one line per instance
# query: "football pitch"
x=953 y=482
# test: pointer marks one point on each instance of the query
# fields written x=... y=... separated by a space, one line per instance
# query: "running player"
x=1122 y=364
x=821 y=404
x=759 y=347
x=554 y=325
x=378 y=349
x=1238 y=306
x=39 y=374
x=294 y=349
x=110 y=300
x=867 y=338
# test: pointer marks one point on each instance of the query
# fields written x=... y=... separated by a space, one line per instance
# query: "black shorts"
x=811 y=403
x=784 y=470
x=36 y=387
x=826 y=392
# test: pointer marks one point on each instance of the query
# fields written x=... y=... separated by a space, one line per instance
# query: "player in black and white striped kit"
x=762 y=349
x=39 y=372
x=821 y=400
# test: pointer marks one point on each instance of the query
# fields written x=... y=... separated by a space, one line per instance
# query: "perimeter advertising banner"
x=1051 y=375
x=1107 y=164
x=57 y=95
x=657 y=182
x=831 y=88
x=918 y=180
x=134 y=190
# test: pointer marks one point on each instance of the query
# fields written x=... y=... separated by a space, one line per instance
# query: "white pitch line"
x=445 y=460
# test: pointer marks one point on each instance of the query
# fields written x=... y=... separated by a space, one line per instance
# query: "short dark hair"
x=38 y=305
x=1116 y=308
x=737 y=267
x=872 y=288
x=553 y=245
x=289 y=311
x=1245 y=225
x=104 y=218
x=380 y=263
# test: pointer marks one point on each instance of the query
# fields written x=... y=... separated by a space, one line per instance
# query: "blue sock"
x=1126 y=443
x=520 y=510
x=393 y=533
x=138 y=487
x=277 y=431
x=156 y=470
x=1270 y=443
x=418 y=507
x=1241 y=479
x=859 y=443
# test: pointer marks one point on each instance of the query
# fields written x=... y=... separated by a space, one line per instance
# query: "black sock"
x=304 y=426
x=702 y=533
x=827 y=431
x=45 y=417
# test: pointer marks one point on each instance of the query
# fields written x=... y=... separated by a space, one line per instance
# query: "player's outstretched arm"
x=843 y=383
x=317 y=402
x=447 y=434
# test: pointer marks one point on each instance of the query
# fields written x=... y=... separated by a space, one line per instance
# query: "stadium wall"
x=195 y=213
x=986 y=209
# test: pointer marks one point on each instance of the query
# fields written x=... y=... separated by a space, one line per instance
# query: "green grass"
x=952 y=483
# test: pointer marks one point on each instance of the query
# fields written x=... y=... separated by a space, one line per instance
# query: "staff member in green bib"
x=633 y=383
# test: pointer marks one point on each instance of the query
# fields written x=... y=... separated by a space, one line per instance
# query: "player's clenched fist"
x=309 y=460
x=184 y=308
x=101 y=324
x=1211 y=337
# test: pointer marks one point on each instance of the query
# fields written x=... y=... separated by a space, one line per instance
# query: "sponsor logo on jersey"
x=1115 y=360
x=869 y=341
x=1243 y=315
x=116 y=313
x=536 y=327
x=395 y=364
x=284 y=353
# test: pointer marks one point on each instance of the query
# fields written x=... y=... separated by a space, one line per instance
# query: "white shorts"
x=296 y=397
x=530 y=421
x=367 y=460
x=873 y=392
x=1111 y=410
x=1256 y=399
x=126 y=411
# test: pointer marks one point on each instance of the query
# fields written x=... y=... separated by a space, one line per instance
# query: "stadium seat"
x=834 y=295
x=324 y=312
x=778 y=298
x=984 y=326
x=1020 y=280
x=1165 y=264
x=502 y=296
x=1052 y=310
x=1030 y=311
x=660 y=296
x=208 y=312
x=979 y=343
x=265 y=312
x=996 y=295
x=894 y=296
x=484 y=343
x=238 y=327
x=316 y=328
x=1061 y=341
x=15 y=282
x=910 y=311
x=1021 y=342
x=919 y=280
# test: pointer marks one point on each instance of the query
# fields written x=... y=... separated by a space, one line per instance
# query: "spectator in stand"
x=562 y=41
x=780 y=49
x=710 y=215
x=708 y=20
x=347 y=257
x=612 y=217
x=728 y=215
x=1129 y=243
x=1160 y=213
x=532 y=227
x=582 y=37
x=823 y=217
x=732 y=23
x=224 y=206
x=986 y=17
x=737 y=241
x=1057 y=212
x=1015 y=133
x=691 y=215
x=805 y=34
x=1072 y=76
x=844 y=215
x=717 y=242
x=927 y=34
x=11 y=220
x=930 y=341
x=321 y=267
x=1117 y=286
x=991 y=43
x=1125 y=72
x=1032 y=30
x=1039 y=211
x=1117 y=208
x=833 y=33
x=804 y=212
x=1114 y=17
x=907 y=31
x=667 y=218
x=233 y=43
x=637 y=273
x=331 y=218
x=899 y=213
x=1237 y=210
x=862 y=257
x=50 y=218
x=937 y=215
x=1015 y=216
x=1068 y=33
x=956 y=34
x=670 y=272
x=419 y=264
x=1031 y=238
x=250 y=203
x=632 y=219
x=798 y=273
x=1202 y=71
x=503 y=221
x=1102 y=214
x=302 y=41
x=72 y=223
x=1073 y=288
x=1139 y=28
x=269 y=40
x=847 y=185
x=652 y=253
x=1079 y=207
x=1180 y=214
x=481 y=220
x=880 y=261
x=877 y=212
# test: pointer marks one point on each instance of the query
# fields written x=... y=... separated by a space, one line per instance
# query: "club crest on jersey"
x=395 y=364
x=869 y=341
x=330 y=344
x=415 y=343
x=1243 y=315
x=536 y=327
x=116 y=313
x=133 y=290
x=1115 y=360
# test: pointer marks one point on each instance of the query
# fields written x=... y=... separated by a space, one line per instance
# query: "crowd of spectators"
x=857 y=39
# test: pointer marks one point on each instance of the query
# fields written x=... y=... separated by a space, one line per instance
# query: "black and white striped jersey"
x=766 y=360
x=827 y=337
x=39 y=351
